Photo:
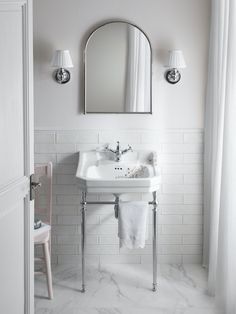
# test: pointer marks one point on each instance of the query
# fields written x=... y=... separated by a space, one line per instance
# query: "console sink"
x=137 y=171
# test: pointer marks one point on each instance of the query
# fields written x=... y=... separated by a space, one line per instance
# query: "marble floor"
x=126 y=289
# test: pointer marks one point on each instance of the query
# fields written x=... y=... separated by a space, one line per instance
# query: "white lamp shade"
x=61 y=59
x=176 y=59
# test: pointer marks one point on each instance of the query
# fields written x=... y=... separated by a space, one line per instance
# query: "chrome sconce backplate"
x=173 y=76
x=62 y=76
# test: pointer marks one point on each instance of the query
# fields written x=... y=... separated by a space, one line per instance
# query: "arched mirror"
x=118 y=61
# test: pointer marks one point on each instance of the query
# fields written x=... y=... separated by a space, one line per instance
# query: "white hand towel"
x=132 y=224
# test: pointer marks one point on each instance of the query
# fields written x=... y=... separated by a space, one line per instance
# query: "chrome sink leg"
x=83 y=237
x=154 y=241
x=116 y=207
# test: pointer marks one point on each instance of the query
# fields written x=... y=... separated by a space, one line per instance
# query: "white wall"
x=182 y=24
x=61 y=129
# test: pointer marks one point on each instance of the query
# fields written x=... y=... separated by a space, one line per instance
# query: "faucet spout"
x=118 y=146
x=118 y=152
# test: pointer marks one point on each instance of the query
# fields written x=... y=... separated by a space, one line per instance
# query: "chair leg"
x=48 y=269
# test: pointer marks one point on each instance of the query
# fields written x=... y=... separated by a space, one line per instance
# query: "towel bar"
x=84 y=202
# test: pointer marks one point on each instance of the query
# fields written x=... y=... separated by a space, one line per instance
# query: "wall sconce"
x=61 y=59
x=176 y=61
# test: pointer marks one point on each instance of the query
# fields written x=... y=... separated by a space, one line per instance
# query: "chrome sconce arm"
x=173 y=76
x=62 y=76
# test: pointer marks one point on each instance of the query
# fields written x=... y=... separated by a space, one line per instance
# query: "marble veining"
x=126 y=289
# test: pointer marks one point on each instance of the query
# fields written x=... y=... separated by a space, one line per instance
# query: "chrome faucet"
x=118 y=152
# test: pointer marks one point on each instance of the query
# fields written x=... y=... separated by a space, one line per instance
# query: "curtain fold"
x=137 y=97
x=219 y=253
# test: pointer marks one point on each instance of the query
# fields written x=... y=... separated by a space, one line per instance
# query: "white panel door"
x=16 y=158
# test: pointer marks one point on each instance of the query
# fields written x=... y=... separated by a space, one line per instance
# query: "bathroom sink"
x=137 y=171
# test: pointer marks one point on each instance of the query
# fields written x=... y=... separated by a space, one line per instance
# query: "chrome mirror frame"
x=84 y=66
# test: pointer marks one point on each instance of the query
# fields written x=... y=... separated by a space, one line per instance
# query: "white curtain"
x=220 y=158
x=138 y=72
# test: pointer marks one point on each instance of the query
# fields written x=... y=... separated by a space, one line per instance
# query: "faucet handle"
x=130 y=148
x=127 y=150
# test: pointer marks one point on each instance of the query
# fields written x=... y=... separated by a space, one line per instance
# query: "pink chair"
x=42 y=236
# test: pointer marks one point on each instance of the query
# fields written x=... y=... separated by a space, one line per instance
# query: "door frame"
x=27 y=27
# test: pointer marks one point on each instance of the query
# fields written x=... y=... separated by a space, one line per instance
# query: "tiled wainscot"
x=180 y=154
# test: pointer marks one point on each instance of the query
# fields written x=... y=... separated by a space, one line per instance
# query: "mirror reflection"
x=118 y=70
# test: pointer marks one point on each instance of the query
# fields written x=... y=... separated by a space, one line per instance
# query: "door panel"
x=16 y=158
x=12 y=259
x=11 y=96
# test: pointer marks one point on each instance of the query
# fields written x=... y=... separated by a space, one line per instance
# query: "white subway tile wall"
x=180 y=155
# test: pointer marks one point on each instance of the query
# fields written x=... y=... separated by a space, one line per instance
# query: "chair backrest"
x=43 y=197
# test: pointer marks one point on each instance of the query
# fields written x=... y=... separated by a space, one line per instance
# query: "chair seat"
x=42 y=234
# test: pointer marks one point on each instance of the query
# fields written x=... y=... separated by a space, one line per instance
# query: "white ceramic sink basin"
x=137 y=171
